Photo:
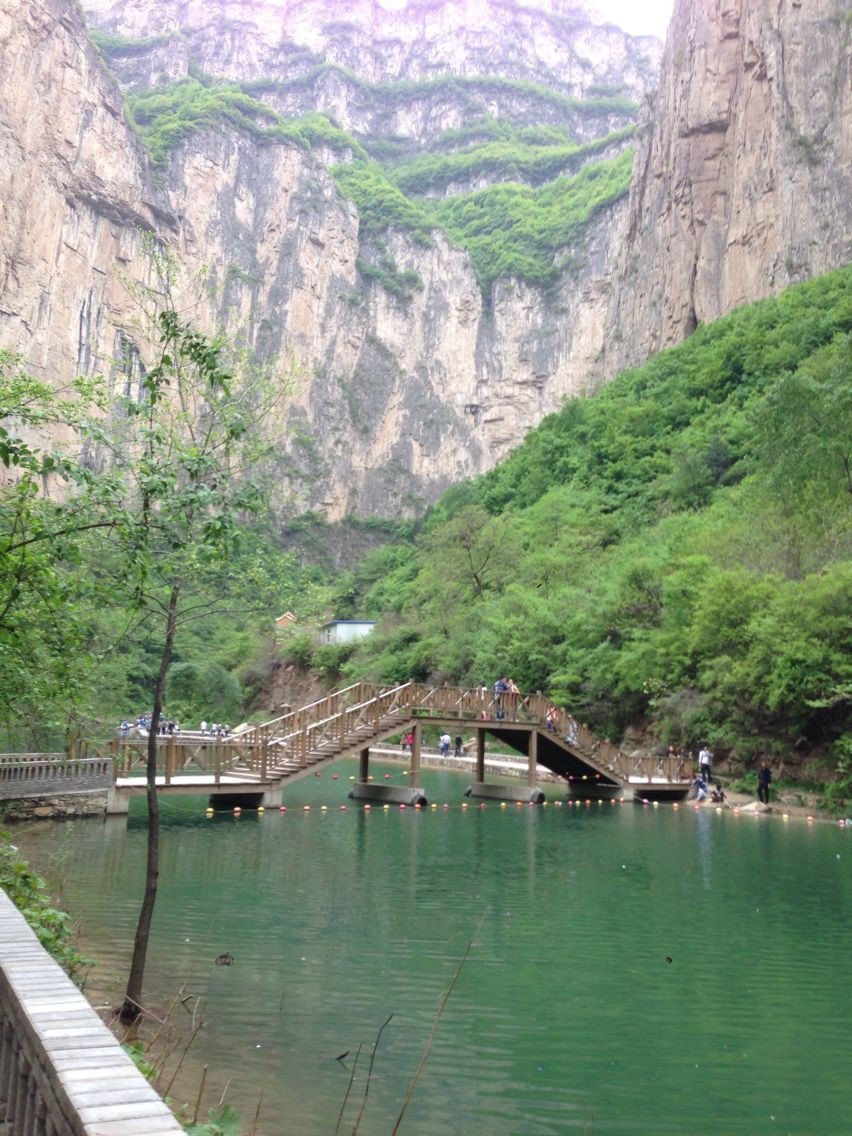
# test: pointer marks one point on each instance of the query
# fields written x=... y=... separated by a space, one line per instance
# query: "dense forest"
x=671 y=555
x=670 y=558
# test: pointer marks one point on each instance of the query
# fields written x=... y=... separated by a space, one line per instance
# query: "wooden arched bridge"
x=253 y=764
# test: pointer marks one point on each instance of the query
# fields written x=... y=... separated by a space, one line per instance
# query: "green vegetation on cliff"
x=541 y=199
x=166 y=116
x=503 y=160
x=515 y=230
x=473 y=90
x=674 y=551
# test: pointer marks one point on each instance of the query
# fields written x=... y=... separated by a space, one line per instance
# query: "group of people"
x=142 y=725
x=215 y=729
x=701 y=782
x=504 y=690
x=445 y=741
x=699 y=788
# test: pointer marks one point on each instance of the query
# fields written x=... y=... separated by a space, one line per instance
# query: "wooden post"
x=364 y=765
x=480 y=755
x=533 y=758
x=415 y=756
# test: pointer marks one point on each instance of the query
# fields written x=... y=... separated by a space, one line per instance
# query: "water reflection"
x=566 y=1013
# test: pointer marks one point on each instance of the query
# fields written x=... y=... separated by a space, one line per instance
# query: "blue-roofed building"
x=345 y=630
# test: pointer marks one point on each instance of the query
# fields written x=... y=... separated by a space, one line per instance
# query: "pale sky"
x=637 y=17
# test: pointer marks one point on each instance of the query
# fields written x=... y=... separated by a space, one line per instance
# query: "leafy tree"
x=188 y=451
x=49 y=503
x=673 y=551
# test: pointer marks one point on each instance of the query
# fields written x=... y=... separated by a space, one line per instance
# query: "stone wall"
x=89 y=802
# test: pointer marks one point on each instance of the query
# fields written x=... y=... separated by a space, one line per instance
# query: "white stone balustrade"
x=62 y=1073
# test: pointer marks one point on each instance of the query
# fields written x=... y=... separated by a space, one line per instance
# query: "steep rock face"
x=395 y=397
x=742 y=176
x=73 y=190
x=740 y=186
x=556 y=42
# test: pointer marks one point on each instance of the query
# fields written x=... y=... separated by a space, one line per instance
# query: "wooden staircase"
x=349 y=721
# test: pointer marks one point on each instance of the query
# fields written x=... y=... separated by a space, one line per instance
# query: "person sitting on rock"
x=698 y=787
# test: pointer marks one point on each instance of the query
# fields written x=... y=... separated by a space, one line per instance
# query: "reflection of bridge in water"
x=252 y=766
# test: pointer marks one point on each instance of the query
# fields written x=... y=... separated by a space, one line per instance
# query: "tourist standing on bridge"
x=501 y=689
x=764 y=780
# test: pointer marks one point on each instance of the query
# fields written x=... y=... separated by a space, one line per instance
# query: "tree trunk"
x=132 y=1006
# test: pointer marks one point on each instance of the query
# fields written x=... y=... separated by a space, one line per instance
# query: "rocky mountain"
x=448 y=216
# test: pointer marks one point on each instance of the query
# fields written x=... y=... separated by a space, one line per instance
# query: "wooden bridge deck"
x=348 y=722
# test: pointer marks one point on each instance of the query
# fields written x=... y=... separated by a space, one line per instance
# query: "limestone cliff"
x=743 y=176
x=414 y=368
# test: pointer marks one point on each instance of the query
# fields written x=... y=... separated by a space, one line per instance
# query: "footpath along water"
x=632 y=970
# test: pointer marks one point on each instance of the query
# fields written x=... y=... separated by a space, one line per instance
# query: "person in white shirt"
x=705 y=757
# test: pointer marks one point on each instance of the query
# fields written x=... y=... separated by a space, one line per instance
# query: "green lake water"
x=566 y=1014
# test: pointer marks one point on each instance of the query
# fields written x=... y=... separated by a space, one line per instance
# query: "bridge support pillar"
x=480 y=755
x=272 y=798
x=388 y=794
x=532 y=759
x=415 y=754
x=524 y=793
x=118 y=804
x=364 y=765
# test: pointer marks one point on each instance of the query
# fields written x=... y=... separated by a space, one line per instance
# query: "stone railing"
x=41 y=775
x=62 y=1073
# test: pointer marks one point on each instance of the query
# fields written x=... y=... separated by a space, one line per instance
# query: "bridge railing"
x=328 y=722
x=216 y=757
x=324 y=708
x=626 y=767
x=337 y=727
x=62 y=1073
x=27 y=775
